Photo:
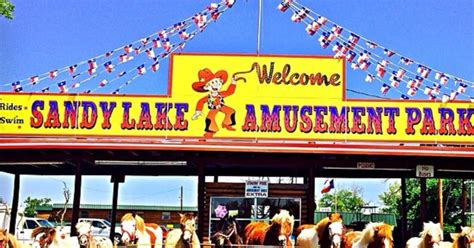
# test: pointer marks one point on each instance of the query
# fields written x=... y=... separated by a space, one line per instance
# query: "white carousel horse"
x=136 y=232
x=85 y=238
x=184 y=237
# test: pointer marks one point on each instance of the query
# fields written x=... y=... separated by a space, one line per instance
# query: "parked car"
x=101 y=228
x=26 y=225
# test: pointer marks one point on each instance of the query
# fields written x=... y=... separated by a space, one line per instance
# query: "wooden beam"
x=115 y=180
x=77 y=199
x=423 y=200
x=464 y=203
x=201 y=200
x=310 y=196
x=16 y=199
x=403 y=227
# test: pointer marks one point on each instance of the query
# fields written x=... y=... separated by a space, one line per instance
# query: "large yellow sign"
x=241 y=97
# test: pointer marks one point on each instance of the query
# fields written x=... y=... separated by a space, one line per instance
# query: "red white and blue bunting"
x=394 y=71
x=117 y=65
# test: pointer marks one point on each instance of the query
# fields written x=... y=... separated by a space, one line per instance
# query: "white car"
x=101 y=228
x=26 y=225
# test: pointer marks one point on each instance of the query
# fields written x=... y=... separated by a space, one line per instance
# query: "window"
x=165 y=216
x=84 y=214
x=31 y=224
x=254 y=209
x=98 y=224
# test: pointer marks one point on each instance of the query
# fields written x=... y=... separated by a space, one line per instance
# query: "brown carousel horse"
x=277 y=233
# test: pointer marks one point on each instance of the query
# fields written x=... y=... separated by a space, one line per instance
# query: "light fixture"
x=33 y=163
x=141 y=163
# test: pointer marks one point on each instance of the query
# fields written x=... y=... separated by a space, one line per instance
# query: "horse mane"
x=44 y=230
x=385 y=230
x=185 y=217
x=139 y=222
x=10 y=238
x=335 y=217
x=466 y=233
x=367 y=235
x=431 y=229
x=83 y=225
x=283 y=215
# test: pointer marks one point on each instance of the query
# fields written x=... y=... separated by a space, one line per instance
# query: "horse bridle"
x=226 y=237
x=85 y=237
x=133 y=238
x=44 y=241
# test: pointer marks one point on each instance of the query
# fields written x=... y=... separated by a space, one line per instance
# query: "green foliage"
x=33 y=203
x=391 y=200
x=452 y=192
x=348 y=200
x=6 y=9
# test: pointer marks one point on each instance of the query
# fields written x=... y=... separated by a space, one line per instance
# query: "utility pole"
x=181 y=199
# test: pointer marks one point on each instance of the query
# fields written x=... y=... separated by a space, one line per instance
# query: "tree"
x=451 y=202
x=33 y=203
x=6 y=9
x=348 y=200
x=391 y=200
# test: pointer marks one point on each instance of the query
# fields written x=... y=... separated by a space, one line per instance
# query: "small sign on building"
x=366 y=165
x=256 y=189
x=424 y=171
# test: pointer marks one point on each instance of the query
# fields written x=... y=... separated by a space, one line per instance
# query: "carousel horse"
x=85 y=238
x=227 y=233
x=376 y=235
x=52 y=238
x=277 y=233
x=185 y=236
x=136 y=232
x=7 y=240
x=431 y=236
x=464 y=239
x=328 y=233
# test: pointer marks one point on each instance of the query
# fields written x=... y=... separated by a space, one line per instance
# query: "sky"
x=46 y=35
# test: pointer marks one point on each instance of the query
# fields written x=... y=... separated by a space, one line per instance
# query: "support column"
x=116 y=180
x=310 y=196
x=423 y=200
x=403 y=228
x=464 y=203
x=77 y=199
x=201 y=201
x=16 y=199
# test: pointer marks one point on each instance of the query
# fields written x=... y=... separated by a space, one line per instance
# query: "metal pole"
x=181 y=199
x=440 y=197
x=14 y=211
x=259 y=21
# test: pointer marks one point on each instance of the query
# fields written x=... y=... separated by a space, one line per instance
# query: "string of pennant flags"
x=157 y=46
x=363 y=54
x=366 y=55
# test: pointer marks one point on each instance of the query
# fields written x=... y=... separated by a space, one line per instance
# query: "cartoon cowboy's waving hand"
x=212 y=83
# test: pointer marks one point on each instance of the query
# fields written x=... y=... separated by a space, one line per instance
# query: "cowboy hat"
x=205 y=75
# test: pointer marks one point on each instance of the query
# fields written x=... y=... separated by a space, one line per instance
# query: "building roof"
x=119 y=207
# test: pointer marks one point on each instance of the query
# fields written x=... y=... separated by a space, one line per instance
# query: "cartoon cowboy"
x=212 y=83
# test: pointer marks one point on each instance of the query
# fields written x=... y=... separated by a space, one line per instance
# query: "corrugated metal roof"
x=119 y=207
